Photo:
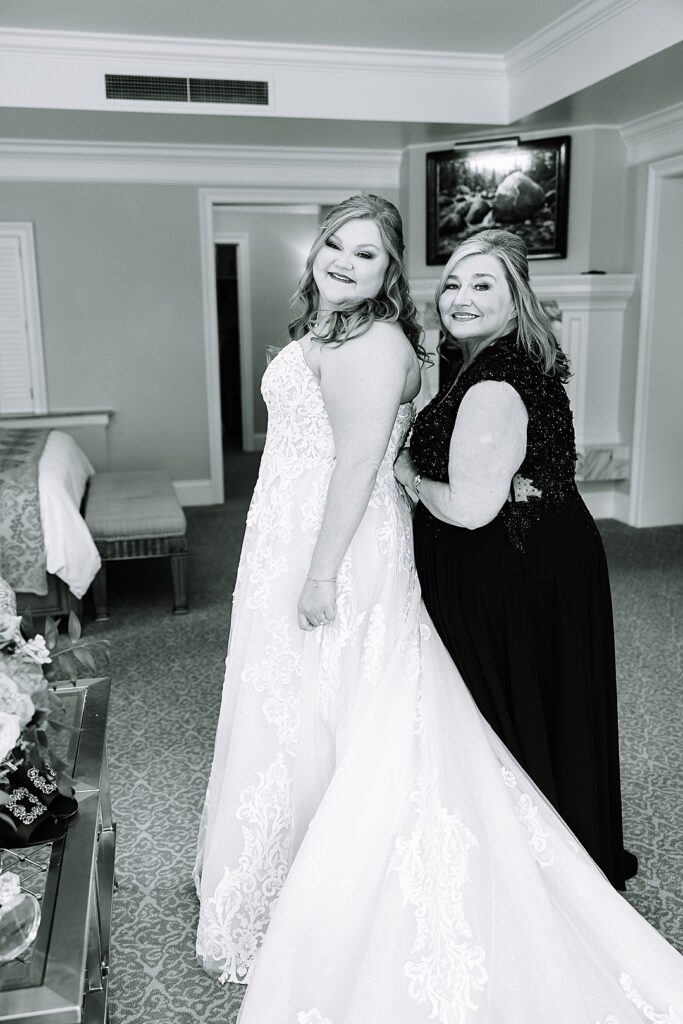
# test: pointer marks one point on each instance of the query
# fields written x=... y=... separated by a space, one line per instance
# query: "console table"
x=62 y=977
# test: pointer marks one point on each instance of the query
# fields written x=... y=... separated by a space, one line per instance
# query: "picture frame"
x=522 y=187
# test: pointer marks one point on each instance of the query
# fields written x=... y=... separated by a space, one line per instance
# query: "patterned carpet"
x=167 y=675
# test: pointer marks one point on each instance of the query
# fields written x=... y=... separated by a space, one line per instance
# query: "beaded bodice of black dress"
x=550 y=461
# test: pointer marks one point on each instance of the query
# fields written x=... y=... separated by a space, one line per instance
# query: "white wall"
x=657 y=498
x=121 y=304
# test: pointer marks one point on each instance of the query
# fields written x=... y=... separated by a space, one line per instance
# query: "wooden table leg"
x=99 y=593
x=179 y=572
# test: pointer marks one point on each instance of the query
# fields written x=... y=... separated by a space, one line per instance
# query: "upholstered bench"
x=137 y=515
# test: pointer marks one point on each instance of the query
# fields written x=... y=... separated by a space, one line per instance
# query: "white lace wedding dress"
x=412 y=871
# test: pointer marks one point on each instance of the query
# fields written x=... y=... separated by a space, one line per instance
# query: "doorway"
x=227 y=311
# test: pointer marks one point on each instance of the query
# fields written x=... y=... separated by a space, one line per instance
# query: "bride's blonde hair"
x=393 y=304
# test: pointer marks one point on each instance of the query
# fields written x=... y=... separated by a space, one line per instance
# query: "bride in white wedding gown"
x=370 y=853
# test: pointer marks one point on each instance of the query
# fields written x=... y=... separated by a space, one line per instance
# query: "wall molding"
x=65 y=70
x=654 y=136
x=172 y=51
x=586 y=291
x=572 y=291
x=379 y=84
x=57 y=420
x=207 y=165
x=565 y=30
x=591 y=42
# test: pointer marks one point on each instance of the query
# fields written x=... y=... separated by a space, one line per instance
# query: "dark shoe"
x=43 y=784
x=25 y=821
x=630 y=864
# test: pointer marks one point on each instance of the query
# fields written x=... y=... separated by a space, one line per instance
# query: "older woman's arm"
x=487 y=448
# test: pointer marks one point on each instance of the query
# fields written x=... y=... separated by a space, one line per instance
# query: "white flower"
x=9 y=887
x=9 y=628
x=13 y=701
x=36 y=650
x=312 y=1017
x=10 y=728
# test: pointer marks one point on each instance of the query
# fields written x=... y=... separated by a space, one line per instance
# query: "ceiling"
x=477 y=27
x=463 y=26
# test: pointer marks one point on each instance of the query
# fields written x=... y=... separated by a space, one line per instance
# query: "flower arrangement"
x=36 y=792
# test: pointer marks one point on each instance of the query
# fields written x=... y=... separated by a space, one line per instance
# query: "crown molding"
x=579 y=21
x=654 y=136
x=230 y=166
x=160 y=51
x=593 y=41
x=66 y=70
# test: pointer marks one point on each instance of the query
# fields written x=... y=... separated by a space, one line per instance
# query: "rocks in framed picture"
x=520 y=186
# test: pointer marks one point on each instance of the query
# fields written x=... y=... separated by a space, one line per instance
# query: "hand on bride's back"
x=316 y=605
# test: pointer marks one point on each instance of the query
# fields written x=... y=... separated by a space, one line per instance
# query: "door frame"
x=657 y=172
x=208 y=199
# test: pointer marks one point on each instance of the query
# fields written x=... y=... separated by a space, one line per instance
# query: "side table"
x=62 y=977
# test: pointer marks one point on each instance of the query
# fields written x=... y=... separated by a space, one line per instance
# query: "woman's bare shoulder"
x=381 y=342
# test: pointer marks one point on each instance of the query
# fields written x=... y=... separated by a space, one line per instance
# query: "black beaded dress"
x=523 y=605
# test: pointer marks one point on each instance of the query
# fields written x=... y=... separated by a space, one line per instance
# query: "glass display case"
x=62 y=977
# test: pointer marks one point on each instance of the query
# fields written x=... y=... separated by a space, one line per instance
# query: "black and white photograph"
x=341 y=512
x=521 y=188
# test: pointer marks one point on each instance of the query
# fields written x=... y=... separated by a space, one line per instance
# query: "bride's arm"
x=362 y=382
x=487 y=448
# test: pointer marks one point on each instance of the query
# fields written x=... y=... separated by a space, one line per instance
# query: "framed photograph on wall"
x=523 y=188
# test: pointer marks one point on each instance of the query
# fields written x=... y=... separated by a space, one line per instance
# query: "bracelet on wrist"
x=417 y=480
x=316 y=582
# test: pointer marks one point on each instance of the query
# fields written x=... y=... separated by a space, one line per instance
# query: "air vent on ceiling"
x=186 y=90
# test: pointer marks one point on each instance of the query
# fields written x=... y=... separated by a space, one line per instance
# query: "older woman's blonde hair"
x=393 y=304
x=534 y=329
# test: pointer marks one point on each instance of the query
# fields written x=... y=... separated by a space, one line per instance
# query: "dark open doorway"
x=229 y=346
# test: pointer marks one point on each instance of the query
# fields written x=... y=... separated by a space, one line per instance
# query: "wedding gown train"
x=370 y=852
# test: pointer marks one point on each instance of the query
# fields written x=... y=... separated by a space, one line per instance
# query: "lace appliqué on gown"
x=449 y=967
x=648 y=1011
x=235 y=918
x=275 y=676
x=311 y=1017
x=527 y=812
x=372 y=663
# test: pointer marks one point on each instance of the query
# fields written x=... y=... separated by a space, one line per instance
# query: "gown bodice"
x=299 y=435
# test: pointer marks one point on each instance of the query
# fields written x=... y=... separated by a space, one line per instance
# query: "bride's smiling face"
x=351 y=264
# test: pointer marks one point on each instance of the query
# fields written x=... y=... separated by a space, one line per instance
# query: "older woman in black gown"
x=511 y=564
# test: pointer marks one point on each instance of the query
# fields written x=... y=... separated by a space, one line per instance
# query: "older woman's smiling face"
x=351 y=264
x=476 y=303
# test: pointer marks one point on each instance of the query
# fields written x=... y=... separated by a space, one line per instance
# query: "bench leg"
x=179 y=573
x=99 y=593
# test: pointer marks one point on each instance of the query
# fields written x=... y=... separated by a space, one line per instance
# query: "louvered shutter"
x=21 y=369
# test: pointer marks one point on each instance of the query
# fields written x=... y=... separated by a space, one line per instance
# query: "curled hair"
x=392 y=305
x=534 y=329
